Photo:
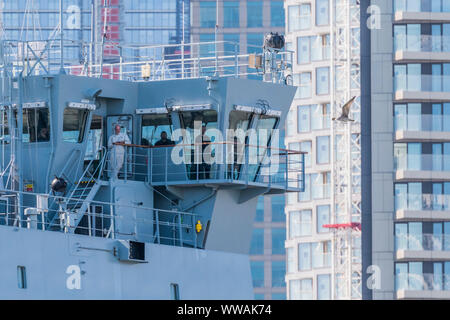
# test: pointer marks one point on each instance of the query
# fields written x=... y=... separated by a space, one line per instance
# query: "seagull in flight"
x=345 y=111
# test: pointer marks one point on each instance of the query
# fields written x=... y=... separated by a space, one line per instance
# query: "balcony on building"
x=410 y=127
x=422 y=286
x=421 y=11
x=421 y=167
x=422 y=247
x=414 y=86
x=413 y=205
x=416 y=47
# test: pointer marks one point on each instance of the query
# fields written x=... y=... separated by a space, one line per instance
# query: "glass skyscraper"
x=128 y=23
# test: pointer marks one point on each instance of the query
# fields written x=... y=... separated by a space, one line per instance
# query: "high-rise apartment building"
x=407 y=108
x=323 y=223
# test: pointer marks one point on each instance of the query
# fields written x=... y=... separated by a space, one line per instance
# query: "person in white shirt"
x=117 y=150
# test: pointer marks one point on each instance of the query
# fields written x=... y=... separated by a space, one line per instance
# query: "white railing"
x=427 y=242
x=153 y=225
x=145 y=63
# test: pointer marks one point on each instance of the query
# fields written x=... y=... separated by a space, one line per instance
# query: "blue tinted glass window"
x=276 y=14
x=231 y=45
x=278 y=273
x=254 y=14
x=231 y=14
x=278 y=208
x=278 y=239
x=257 y=270
x=254 y=42
x=257 y=243
x=207 y=14
x=260 y=210
x=207 y=50
x=278 y=296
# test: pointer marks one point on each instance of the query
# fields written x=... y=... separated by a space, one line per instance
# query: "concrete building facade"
x=409 y=120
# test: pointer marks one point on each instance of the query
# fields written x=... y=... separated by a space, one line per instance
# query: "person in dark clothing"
x=164 y=141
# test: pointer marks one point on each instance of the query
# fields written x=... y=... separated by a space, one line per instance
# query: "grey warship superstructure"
x=164 y=225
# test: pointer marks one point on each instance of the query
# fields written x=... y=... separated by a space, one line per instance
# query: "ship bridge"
x=203 y=143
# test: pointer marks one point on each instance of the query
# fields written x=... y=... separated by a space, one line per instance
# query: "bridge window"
x=74 y=124
x=152 y=127
x=206 y=118
x=240 y=120
x=36 y=125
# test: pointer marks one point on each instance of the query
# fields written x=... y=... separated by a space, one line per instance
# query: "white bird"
x=345 y=111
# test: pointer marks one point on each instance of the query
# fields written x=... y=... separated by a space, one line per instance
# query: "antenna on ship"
x=61 y=27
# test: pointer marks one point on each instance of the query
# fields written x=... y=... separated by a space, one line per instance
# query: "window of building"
x=322 y=80
x=323 y=218
x=231 y=45
x=255 y=42
x=323 y=287
x=257 y=270
x=207 y=14
x=36 y=125
x=257 y=243
x=278 y=203
x=231 y=14
x=299 y=17
x=303 y=81
x=291 y=127
x=21 y=277
x=305 y=146
x=322 y=12
x=303 y=50
x=320 y=116
x=291 y=266
x=254 y=14
x=306 y=194
x=304 y=256
x=207 y=50
x=323 y=149
x=276 y=13
x=320 y=185
x=300 y=289
x=259 y=296
x=321 y=254
x=409 y=196
x=409 y=276
x=278 y=296
x=304 y=119
x=278 y=273
x=278 y=239
x=260 y=210
x=408 y=77
x=408 y=236
x=300 y=223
